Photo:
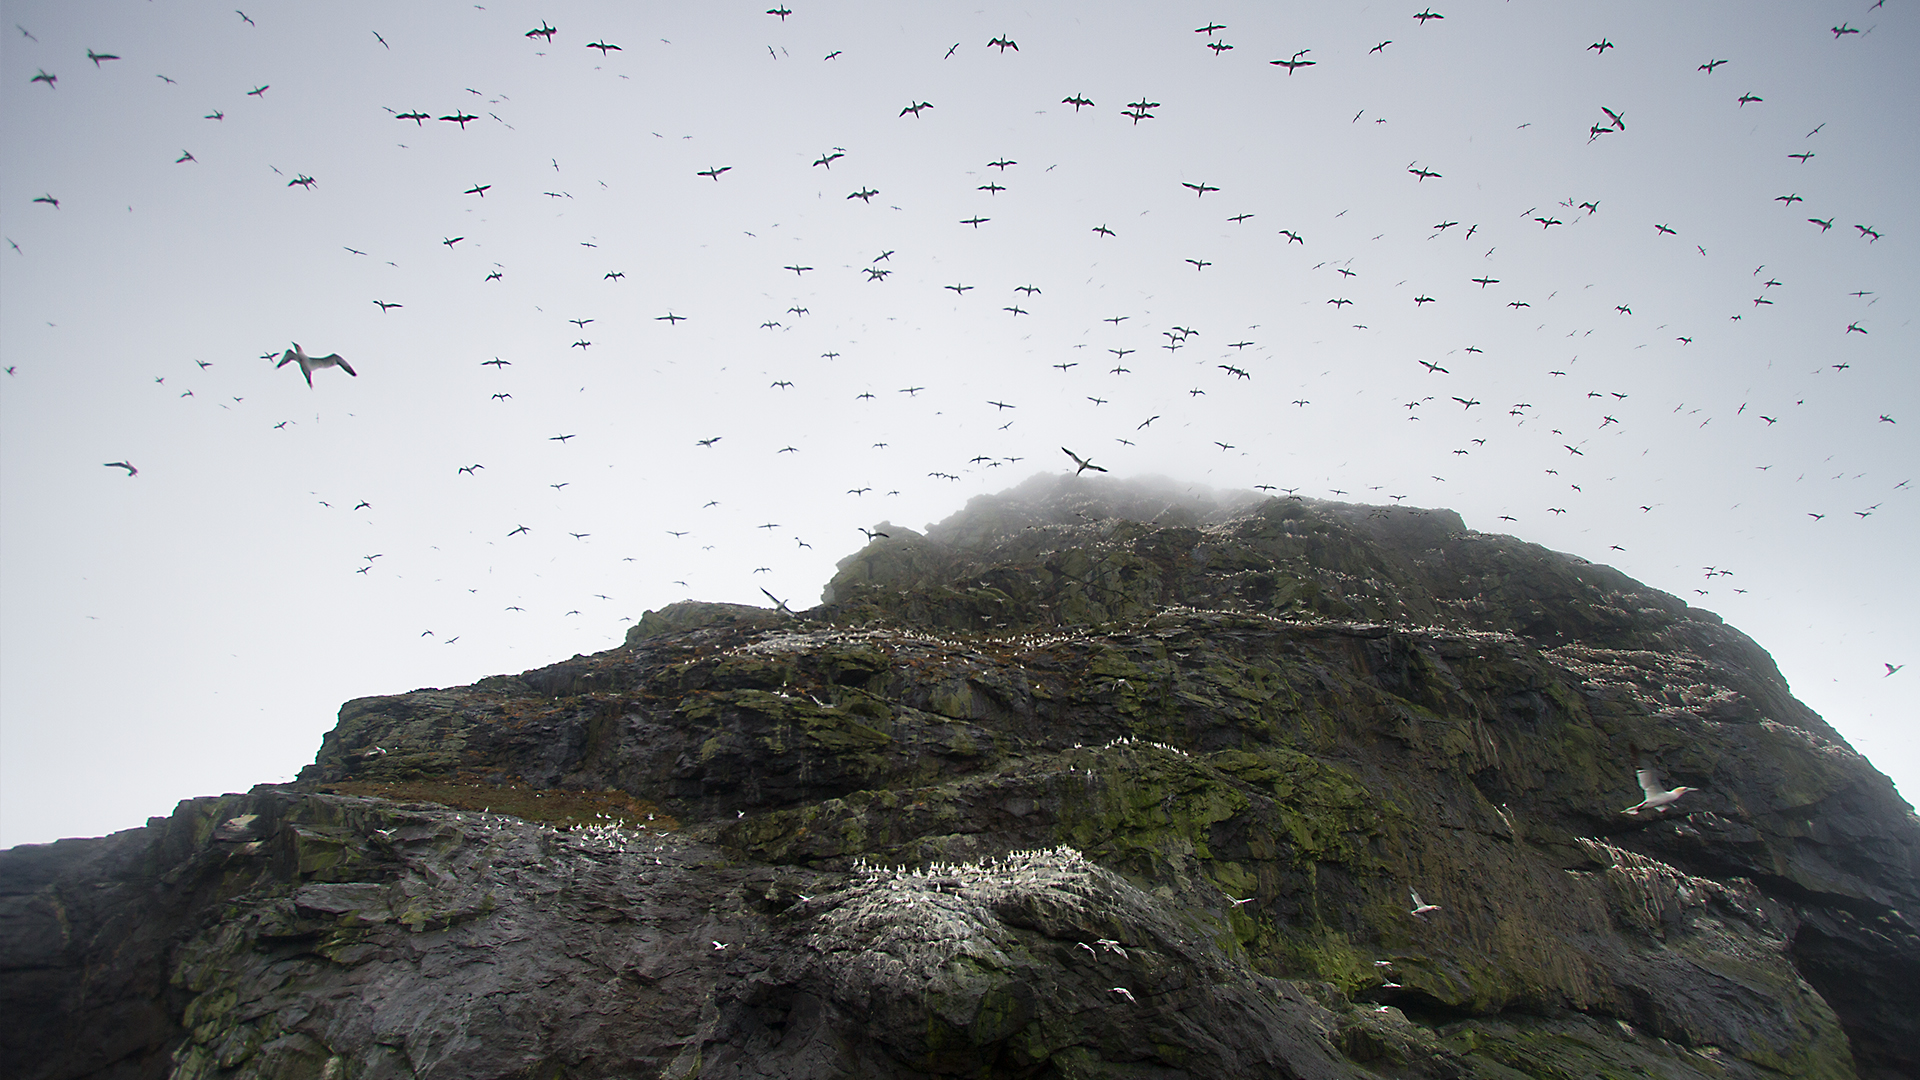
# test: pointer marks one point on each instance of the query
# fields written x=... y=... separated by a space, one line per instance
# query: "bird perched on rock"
x=309 y=363
x=1658 y=797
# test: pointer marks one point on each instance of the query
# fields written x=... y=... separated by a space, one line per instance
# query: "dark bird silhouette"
x=976 y=221
x=1428 y=14
x=97 y=57
x=1842 y=30
x=1101 y=229
x=915 y=109
x=542 y=31
x=259 y=91
x=478 y=189
x=1003 y=43
x=1208 y=29
x=460 y=118
x=49 y=200
x=1745 y=98
x=1294 y=64
x=783 y=11
x=384 y=306
x=1665 y=231
x=714 y=173
x=1198 y=189
x=829 y=159
x=303 y=180
x=603 y=47
x=1424 y=173
x=131 y=471
x=416 y=116
x=1602 y=46
x=1083 y=464
x=1710 y=65
x=1076 y=101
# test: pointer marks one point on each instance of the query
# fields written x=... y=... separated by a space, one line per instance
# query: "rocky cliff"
x=1089 y=781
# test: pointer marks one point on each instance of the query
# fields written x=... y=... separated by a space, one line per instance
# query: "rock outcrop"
x=1090 y=781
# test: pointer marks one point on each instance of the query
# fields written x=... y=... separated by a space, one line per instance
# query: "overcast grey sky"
x=1666 y=402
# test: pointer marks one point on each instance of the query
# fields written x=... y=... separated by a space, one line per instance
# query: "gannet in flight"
x=309 y=363
x=1420 y=907
x=1658 y=797
x=1080 y=461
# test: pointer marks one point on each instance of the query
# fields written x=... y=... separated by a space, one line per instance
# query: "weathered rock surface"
x=1089 y=781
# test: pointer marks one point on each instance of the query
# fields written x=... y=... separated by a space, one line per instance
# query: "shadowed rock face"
x=1090 y=780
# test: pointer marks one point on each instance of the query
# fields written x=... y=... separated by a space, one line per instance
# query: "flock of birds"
x=1229 y=370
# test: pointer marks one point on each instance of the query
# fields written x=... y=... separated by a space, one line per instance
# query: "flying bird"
x=97 y=57
x=1658 y=798
x=542 y=31
x=603 y=47
x=133 y=472
x=1083 y=464
x=308 y=364
x=1421 y=909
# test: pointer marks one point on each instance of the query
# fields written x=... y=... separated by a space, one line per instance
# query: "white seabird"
x=309 y=363
x=1420 y=907
x=1657 y=795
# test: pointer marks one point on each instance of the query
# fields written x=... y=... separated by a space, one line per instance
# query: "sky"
x=632 y=333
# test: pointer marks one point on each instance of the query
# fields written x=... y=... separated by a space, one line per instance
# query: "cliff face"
x=1088 y=781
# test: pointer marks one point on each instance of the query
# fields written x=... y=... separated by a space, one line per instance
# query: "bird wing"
x=1649 y=778
x=344 y=366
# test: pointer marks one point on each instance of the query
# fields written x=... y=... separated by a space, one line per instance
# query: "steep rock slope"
x=1091 y=780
